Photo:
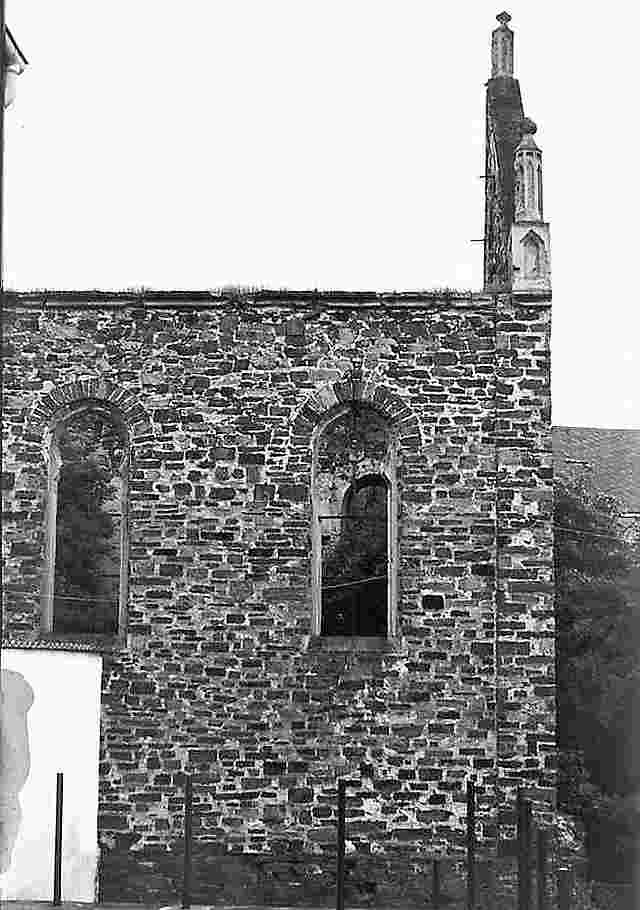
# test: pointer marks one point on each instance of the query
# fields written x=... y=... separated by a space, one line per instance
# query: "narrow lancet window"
x=531 y=199
x=533 y=253
x=520 y=202
x=88 y=559
x=354 y=504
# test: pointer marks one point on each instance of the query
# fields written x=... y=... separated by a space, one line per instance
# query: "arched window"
x=533 y=256
x=530 y=188
x=354 y=524
x=85 y=579
x=540 y=210
x=520 y=203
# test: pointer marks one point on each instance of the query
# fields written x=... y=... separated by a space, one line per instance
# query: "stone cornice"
x=265 y=298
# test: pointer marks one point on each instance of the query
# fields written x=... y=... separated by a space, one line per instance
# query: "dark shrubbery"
x=598 y=668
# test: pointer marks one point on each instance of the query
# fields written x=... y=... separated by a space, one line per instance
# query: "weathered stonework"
x=218 y=672
x=218 y=669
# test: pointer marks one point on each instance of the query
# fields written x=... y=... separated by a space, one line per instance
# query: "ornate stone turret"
x=516 y=241
x=528 y=175
x=530 y=241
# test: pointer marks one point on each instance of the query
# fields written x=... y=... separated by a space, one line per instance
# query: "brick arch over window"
x=388 y=404
x=56 y=401
x=55 y=408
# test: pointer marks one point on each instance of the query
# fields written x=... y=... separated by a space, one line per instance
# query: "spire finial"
x=502 y=48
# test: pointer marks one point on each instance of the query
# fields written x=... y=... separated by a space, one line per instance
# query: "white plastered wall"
x=63 y=725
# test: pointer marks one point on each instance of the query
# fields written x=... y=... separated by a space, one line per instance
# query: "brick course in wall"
x=218 y=673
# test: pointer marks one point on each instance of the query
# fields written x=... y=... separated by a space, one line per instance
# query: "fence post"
x=565 y=888
x=57 y=851
x=490 y=885
x=541 y=870
x=342 y=803
x=524 y=844
x=471 y=843
x=528 y=835
x=435 y=887
x=519 y=822
x=188 y=816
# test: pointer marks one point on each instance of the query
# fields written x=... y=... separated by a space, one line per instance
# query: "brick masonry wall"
x=219 y=674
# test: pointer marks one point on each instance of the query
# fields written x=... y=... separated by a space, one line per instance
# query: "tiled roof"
x=610 y=459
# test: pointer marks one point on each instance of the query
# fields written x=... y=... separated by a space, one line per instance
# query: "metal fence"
x=537 y=873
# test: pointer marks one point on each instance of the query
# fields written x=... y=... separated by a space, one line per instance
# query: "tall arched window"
x=533 y=255
x=354 y=524
x=540 y=209
x=519 y=191
x=85 y=579
x=530 y=187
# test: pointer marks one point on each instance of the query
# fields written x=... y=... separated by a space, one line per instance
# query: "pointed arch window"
x=519 y=194
x=355 y=503
x=530 y=187
x=540 y=210
x=533 y=255
x=86 y=561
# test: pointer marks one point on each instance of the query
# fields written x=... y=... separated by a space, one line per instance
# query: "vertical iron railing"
x=436 y=884
x=188 y=819
x=342 y=806
x=57 y=851
x=524 y=852
x=471 y=843
x=541 y=867
x=528 y=834
x=565 y=889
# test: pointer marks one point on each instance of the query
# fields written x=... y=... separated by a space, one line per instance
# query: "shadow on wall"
x=16 y=697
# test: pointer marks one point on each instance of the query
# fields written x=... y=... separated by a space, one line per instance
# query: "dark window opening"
x=355 y=562
x=433 y=601
x=89 y=525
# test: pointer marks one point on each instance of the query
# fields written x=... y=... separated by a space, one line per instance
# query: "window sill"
x=379 y=644
x=49 y=641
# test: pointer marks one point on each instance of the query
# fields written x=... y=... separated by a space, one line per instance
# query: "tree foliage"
x=598 y=662
x=87 y=543
x=354 y=571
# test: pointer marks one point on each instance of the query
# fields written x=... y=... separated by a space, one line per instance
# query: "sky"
x=329 y=144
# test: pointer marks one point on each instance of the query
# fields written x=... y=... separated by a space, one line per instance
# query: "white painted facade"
x=63 y=725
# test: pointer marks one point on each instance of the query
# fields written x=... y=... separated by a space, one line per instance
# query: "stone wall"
x=219 y=674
